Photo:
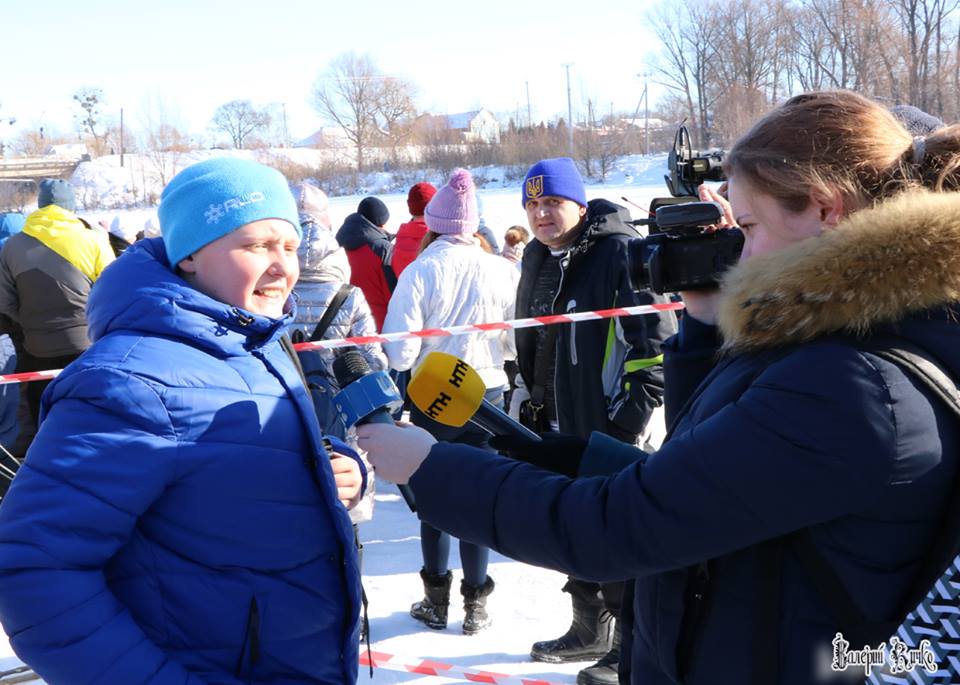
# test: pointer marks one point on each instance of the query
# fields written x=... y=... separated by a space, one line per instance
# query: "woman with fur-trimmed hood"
x=794 y=453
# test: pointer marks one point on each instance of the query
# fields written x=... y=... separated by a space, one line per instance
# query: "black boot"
x=475 y=616
x=604 y=672
x=432 y=609
x=590 y=635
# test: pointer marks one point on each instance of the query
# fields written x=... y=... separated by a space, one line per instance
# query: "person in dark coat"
x=603 y=375
x=790 y=427
x=368 y=248
x=178 y=520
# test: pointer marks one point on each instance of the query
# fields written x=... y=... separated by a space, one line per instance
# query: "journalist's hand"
x=557 y=452
x=397 y=451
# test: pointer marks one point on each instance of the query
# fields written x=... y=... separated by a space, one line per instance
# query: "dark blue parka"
x=176 y=520
x=793 y=428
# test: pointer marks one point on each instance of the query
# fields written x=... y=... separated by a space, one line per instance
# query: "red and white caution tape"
x=426 y=333
x=391 y=662
x=28 y=376
x=488 y=327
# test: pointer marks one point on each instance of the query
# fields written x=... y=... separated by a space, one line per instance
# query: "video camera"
x=679 y=252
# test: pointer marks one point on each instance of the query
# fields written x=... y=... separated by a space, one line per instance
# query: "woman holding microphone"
x=795 y=440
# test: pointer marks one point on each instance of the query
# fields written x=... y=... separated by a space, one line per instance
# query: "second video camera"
x=682 y=254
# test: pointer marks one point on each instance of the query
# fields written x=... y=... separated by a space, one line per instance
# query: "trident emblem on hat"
x=534 y=187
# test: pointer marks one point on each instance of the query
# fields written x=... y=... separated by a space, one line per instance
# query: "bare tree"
x=239 y=119
x=90 y=118
x=36 y=140
x=689 y=35
x=163 y=139
x=367 y=104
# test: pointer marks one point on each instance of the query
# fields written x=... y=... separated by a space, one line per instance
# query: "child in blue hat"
x=180 y=518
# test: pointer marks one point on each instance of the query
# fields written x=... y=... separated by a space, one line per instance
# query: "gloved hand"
x=558 y=452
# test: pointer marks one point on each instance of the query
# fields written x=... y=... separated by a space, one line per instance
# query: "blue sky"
x=198 y=54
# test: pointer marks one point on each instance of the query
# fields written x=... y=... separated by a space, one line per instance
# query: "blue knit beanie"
x=557 y=177
x=56 y=191
x=208 y=200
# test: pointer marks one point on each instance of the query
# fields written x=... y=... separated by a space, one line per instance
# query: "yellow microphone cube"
x=446 y=389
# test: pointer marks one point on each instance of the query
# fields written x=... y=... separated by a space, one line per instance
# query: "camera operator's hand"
x=708 y=194
x=558 y=452
x=702 y=305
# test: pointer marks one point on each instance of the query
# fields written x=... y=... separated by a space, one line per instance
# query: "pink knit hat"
x=453 y=209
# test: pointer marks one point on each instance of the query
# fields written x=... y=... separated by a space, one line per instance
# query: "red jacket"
x=368 y=251
x=407 y=244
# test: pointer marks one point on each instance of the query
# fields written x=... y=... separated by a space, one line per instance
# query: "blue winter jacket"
x=176 y=520
x=793 y=428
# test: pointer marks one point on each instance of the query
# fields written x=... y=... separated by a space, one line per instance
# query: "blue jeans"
x=435 y=544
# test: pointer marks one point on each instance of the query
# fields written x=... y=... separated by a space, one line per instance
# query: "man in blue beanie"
x=600 y=376
x=46 y=272
x=178 y=519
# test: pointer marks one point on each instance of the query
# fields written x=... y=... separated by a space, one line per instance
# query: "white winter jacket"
x=449 y=284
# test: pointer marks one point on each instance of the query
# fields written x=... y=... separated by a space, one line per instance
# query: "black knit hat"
x=373 y=210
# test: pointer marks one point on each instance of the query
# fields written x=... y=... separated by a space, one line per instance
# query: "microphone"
x=450 y=392
x=366 y=396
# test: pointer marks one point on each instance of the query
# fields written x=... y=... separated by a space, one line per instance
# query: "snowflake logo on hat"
x=214 y=213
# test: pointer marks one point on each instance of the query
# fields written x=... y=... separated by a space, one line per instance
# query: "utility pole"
x=121 y=136
x=286 y=131
x=529 y=111
x=569 y=108
x=646 y=114
x=646 y=119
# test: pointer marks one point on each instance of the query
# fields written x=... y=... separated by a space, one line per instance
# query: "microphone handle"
x=497 y=422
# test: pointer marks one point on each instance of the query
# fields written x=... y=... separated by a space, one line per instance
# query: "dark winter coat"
x=176 y=520
x=611 y=365
x=794 y=428
x=368 y=250
x=46 y=272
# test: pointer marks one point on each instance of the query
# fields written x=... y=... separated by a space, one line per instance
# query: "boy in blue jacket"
x=178 y=519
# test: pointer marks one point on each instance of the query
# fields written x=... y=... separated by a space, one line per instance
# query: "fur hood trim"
x=877 y=266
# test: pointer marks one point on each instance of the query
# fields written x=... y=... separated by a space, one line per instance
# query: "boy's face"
x=254 y=267
x=553 y=218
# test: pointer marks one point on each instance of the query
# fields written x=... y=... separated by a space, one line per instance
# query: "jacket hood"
x=139 y=292
x=880 y=265
x=321 y=257
x=357 y=231
x=10 y=224
x=607 y=218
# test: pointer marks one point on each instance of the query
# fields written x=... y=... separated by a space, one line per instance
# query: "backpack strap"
x=857 y=628
x=335 y=304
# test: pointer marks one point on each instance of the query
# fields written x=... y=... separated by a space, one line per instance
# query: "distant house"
x=467 y=127
x=328 y=136
x=638 y=122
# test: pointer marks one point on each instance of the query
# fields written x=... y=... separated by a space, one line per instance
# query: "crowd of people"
x=187 y=509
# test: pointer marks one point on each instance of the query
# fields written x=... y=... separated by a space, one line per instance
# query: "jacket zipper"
x=564 y=262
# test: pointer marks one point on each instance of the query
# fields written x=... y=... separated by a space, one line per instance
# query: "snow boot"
x=604 y=672
x=589 y=637
x=475 y=616
x=432 y=609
